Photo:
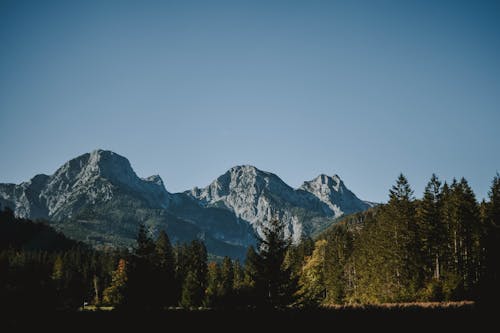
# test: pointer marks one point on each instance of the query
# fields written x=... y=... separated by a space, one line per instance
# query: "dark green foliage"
x=227 y=279
x=296 y=254
x=27 y=235
x=442 y=247
x=338 y=271
x=213 y=285
x=433 y=234
x=413 y=250
x=274 y=286
x=164 y=271
x=193 y=274
x=192 y=292
x=490 y=288
x=42 y=269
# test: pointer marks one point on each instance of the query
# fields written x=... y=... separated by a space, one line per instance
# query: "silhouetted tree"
x=164 y=272
x=274 y=284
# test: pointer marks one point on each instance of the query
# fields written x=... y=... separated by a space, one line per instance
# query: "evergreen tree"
x=312 y=279
x=145 y=247
x=490 y=292
x=464 y=228
x=400 y=215
x=165 y=271
x=338 y=251
x=226 y=280
x=274 y=284
x=197 y=261
x=387 y=260
x=192 y=293
x=239 y=276
x=252 y=268
x=213 y=285
x=195 y=282
x=297 y=254
x=431 y=228
x=141 y=288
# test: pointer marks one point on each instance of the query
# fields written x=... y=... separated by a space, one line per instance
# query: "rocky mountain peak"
x=99 y=186
x=332 y=191
x=155 y=179
x=323 y=183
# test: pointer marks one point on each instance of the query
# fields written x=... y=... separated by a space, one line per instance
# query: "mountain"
x=257 y=196
x=98 y=198
x=332 y=191
x=92 y=178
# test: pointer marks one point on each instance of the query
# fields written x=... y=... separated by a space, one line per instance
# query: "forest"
x=442 y=247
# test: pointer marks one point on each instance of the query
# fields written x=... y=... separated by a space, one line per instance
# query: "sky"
x=188 y=89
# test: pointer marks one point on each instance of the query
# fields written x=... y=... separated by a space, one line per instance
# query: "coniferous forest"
x=440 y=248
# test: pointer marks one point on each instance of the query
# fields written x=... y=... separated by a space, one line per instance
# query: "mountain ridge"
x=99 y=197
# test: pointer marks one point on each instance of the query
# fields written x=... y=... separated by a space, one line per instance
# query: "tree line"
x=64 y=274
x=444 y=246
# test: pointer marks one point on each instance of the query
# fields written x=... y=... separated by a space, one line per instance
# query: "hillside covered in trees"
x=442 y=247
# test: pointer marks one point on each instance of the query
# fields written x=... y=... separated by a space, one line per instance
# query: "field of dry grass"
x=403 y=306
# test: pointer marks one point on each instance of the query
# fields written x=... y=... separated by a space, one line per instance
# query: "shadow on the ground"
x=465 y=318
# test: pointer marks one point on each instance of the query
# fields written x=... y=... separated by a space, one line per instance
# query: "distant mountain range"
x=98 y=198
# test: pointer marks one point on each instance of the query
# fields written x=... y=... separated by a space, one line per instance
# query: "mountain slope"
x=332 y=191
x=86 y=180
x=257 y=196
x=98 y=198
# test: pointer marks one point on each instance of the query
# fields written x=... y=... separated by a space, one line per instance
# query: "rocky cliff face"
x=88 y=179
x=97 y=197
x=335 y=195
x=257 y=196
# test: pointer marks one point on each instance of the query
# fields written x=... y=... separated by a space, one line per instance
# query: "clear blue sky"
x=364 y=89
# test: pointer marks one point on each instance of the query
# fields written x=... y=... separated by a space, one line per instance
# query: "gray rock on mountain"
x=98 y=198
x=332 y=191
x=257 y=197
x=88 y=179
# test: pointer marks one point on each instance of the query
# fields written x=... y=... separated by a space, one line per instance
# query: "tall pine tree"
x=432 y=229
x=490 y=288
x=275 y=286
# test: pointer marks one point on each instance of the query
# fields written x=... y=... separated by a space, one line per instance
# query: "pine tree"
x=274 y=284
x=212 y=293
x=252 y=268
x=433 y=236
x=471 y=228
x=195 y=281
x=297 y=254
x=312 y=279
x=192 y=293
x=226 y=280
x=197 y=261
x=463 y=252
x=141 y=288
x=430 y=227
x=386 y=259
x=490 y=289
x=145 y=247
x=338 y=252
x=239 y=276
x=408 y=272
x=164 y=277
